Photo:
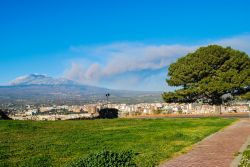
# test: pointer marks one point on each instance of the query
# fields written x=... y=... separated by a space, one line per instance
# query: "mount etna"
x=37 y=88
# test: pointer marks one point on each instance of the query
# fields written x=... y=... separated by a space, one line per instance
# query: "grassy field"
x=29 y=143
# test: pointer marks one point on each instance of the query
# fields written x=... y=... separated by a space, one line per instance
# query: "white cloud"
x=74 y=72
x=142 y=57
x=93 y=72
x=240 y=42
x=120 y=64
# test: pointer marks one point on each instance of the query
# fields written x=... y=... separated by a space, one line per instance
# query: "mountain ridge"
x=44 y=89
x=40 y=79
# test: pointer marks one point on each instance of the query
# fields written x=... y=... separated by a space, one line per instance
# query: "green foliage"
x=245 y=96
x=57 y=143
x=245 y=161
x=108 y=113
x=106 y=159
x=4 y=116
x=157 y=111
x=207 y=74
x=180 y=111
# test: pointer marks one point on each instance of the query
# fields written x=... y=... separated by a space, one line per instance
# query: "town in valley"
x=89 y=111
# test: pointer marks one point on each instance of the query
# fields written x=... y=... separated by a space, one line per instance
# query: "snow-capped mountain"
x=38 y=79
x=36 y=88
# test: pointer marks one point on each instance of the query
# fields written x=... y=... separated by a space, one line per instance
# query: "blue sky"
x=121 y=44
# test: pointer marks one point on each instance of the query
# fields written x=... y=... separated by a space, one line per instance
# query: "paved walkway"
x=217 y=150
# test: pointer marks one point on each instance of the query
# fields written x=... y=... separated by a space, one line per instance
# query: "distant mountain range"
x=36 y=79
x=37 y=88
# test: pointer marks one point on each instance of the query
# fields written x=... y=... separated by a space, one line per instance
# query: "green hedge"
x=106 y=159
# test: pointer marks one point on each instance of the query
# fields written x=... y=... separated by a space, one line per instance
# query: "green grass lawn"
x=29 y=143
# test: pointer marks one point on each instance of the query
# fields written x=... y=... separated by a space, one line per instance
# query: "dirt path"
x=217 y=150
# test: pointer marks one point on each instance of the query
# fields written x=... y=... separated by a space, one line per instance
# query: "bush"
x=106 y=159
x=157 y=112
x=4 y=116
x=179 y=111
x=245 y=161
x=108 y=113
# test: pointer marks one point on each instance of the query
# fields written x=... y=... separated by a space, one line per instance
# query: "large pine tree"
x=209 y=73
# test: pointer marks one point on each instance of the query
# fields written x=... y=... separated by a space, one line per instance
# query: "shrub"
x=4 y=116
x=245 y=161
x=106 y=159
x=108 y=113
x=157 y=111
x=179 y=111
